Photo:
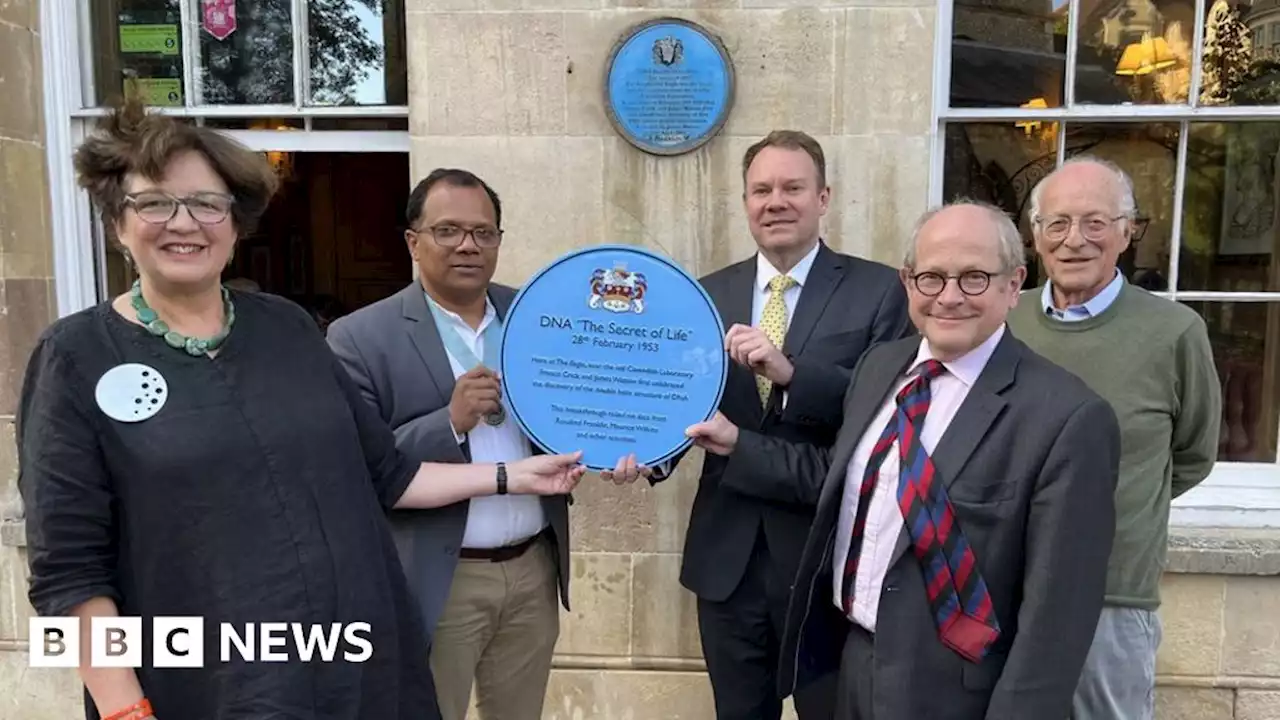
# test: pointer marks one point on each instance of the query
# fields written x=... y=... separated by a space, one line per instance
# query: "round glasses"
x=159 y=208
x=970 y=282
x=453 y=236
x=1092 y=227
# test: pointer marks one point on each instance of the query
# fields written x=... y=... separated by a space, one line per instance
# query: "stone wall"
x=512 y=89
x=1220 y=659
x=26 y=306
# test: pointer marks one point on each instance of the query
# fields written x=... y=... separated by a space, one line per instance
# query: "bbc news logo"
x=178 y=642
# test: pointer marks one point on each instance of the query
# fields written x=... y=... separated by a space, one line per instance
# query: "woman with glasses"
x=193 y=451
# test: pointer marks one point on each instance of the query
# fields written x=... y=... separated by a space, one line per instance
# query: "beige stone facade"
x=26 y=306
x=512 y=90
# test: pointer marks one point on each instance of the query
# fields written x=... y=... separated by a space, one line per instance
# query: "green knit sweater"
x=1151 y=359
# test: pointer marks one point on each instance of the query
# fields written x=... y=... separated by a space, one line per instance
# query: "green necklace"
x=194 y=346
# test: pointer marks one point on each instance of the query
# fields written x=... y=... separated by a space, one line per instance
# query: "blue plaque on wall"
x=669 y=86
x=612 y=350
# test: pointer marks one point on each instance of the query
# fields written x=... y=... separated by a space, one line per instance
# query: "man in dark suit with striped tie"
x=798 y=315
x=956 y=566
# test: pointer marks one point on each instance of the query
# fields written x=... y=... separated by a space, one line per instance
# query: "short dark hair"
x=129 y=141
x=452 y=176
x=789 y=140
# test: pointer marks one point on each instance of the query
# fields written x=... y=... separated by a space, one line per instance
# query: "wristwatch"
x=502 y=478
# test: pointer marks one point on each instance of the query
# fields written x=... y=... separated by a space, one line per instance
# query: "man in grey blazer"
x=488 y=571
x=956 y=566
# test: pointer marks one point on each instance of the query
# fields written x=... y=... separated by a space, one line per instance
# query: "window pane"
x=1240 y=39
x=1007 y=53
x=254 y=64
x=1135 y=52
x=357 y=51
x=1231 y=208
x=1246 y=349
x=136 y=43
x=1148 y=153
x=999 y=163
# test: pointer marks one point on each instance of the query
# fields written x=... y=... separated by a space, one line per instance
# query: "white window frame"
x=1236 y=494
x=68 y=80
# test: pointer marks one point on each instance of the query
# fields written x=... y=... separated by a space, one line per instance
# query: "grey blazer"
x=1030 y=463
x=394 y=353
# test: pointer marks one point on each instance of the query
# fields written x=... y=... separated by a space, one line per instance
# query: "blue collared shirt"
x=1092 y=308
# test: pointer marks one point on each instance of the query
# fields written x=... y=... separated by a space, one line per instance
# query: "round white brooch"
x=131 y=392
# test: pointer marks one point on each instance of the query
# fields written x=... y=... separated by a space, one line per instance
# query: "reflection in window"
x=357 y=52
x=1008 y=53
x=1240 y=65
x=1148 y=153
x=137 y=47
x=1246 y=349
x=1231 y=212
x=1142 y=51
x=254 y=64
x=1135 y=51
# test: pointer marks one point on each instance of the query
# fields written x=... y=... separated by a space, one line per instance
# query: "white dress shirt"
x=884 y=517
x=495 y=520
x=765 y=273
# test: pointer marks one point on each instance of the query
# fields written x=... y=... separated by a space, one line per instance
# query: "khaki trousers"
x=497 y=632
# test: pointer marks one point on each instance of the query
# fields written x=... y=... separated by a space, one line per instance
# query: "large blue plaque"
x=612 y=350
x=669 y=86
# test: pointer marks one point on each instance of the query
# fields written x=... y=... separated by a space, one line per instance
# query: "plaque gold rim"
x=730 y=83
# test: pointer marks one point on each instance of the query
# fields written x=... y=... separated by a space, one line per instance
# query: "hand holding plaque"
x=626 y=471
x=476 y=394
x=717 y=436
x=546 y=474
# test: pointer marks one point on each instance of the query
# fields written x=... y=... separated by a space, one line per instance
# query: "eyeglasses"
x=453 y=236
x=1092 y=227
x=970 y=282
x=159 y=208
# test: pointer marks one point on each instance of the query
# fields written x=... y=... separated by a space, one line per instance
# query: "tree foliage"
x=255 y=64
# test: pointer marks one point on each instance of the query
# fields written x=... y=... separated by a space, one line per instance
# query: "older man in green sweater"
x=1151 y=359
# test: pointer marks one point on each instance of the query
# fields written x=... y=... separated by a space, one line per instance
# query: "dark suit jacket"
x=846 y=305
x=1030 y=462
x=393 y=351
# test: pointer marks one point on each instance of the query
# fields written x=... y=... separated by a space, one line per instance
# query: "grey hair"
x=1012 y=253
x=1128 y=206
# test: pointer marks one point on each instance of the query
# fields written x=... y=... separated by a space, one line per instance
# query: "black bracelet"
x=502 y=478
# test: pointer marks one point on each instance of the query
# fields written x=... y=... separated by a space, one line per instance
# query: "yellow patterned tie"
x=774 y=324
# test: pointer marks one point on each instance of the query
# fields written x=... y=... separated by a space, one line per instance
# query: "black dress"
x=255 y=494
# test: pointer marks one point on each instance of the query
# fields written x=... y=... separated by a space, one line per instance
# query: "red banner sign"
x=219 y=18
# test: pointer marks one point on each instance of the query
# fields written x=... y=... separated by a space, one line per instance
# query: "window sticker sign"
x=149 y=39
x=156 y=91
x=218 y=17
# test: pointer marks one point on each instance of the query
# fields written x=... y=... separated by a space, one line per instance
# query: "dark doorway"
x=333 y=239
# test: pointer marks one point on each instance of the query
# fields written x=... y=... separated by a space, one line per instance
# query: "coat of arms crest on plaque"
x=618 y=290
x=668 y=50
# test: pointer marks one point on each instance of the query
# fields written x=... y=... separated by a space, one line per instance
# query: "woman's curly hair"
x=131 y=141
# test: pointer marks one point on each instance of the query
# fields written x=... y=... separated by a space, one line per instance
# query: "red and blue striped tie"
x=958 y=596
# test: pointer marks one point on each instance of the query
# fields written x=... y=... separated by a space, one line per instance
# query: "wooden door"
x=357 y=222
